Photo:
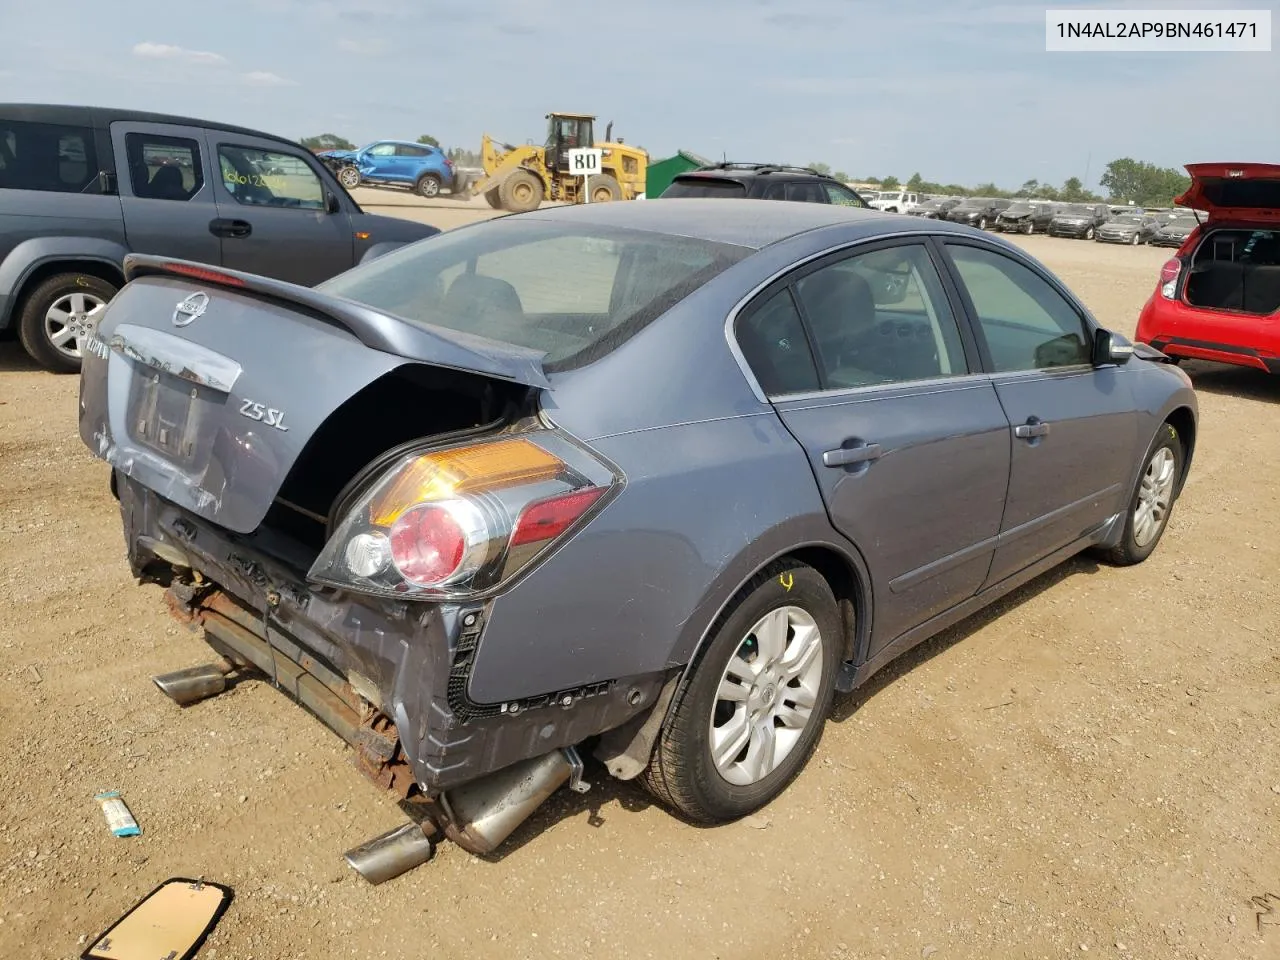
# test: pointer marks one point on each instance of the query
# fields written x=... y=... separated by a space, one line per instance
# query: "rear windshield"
x=573 y=291
x=704 y=187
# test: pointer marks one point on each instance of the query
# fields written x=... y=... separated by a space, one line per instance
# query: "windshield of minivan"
x=1077 y=210
x=1019 y=208
x=564 y=289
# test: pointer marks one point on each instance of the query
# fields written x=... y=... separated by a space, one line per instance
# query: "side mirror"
x=1110 y=348
x=331 y=202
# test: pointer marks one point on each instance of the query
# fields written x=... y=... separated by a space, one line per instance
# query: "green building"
x=658 y=176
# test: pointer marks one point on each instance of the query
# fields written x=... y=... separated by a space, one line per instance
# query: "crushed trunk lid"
x=205 y=385
x=1234 y=191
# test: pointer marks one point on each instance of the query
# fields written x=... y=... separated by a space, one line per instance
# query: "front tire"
x=1029 y=229
x=982 y=223
x=492 y=198
x=1134 y=241
x=521 y=192
x=1088 y=234
x=428 y=185
x=349 y=177
x=60 y=316
x=1152 y=502
x=749 y=718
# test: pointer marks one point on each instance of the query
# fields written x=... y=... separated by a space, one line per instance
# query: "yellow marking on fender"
x=787 y=580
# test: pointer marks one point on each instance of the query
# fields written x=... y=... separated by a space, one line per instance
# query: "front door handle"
x=221 y=227
x=847 y=456
x=1034 y=427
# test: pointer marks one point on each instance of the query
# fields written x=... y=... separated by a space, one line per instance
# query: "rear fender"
x=24 y=260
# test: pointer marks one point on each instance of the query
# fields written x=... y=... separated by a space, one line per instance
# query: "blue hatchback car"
x=422 y=168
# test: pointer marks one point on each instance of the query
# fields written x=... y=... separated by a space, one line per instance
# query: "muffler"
x=189 y=686
x=394 y=852
x=482 y=814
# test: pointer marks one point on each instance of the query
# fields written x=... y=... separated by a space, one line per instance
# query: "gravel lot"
x=1091 y=766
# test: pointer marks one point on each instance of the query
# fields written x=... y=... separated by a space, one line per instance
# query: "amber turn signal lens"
x=448 y=473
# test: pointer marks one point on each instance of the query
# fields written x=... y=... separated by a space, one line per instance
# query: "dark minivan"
x=81 y=187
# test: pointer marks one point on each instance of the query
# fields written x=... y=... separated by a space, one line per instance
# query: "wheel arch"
x=1182 y=419
x=103 y=267
x=840 y=564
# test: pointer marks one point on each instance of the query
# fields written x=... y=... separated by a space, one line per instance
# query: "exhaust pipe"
x=394 y=852
x=185 y=687
x=483 y=814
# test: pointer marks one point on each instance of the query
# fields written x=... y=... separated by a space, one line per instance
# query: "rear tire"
x=1152 y=502
x=1088 y=234
x=428 y=185
x=1029 y=229
x=59 y=316
x=521 y=192
x=603 y=188
x=760 y=693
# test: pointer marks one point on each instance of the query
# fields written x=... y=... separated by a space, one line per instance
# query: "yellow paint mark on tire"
x=787 y=580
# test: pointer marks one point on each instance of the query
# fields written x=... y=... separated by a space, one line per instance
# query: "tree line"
x=1125 y=179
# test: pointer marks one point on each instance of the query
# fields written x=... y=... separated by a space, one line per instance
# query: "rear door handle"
x=846 y=456
x=1034 y=427
x=221 y=227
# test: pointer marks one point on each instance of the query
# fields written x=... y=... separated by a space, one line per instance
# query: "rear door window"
x=806 y=192
x=47 y=156
x=163 y=168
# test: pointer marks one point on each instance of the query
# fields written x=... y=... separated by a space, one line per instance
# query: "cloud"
x=264 y=78
x=167 y=51
x=364 y=48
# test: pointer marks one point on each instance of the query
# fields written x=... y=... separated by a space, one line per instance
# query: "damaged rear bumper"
x=391 y=678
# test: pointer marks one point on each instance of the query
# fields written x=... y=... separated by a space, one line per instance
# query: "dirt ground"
x=1090 y=767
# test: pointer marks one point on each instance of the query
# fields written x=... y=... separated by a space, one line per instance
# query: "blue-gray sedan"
x=654 y=479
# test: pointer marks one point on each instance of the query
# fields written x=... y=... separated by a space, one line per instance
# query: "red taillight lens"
x=461 y=521
x=203 y=273
x=1169 y=277
x=547 y=519
x=428 y=544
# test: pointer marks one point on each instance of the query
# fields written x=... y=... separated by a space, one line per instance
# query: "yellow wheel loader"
x=519 y=178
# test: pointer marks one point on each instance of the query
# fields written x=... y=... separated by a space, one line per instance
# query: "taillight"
x=1169 y=278
x=457 y=522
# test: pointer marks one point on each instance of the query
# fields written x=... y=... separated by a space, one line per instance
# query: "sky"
x=960 y=91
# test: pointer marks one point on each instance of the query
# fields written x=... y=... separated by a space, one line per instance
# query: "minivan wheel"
x=428 y=185
x=748 y=719
x=1088 y=234
x=1029 y=229
x=1152 y=501
x=982 y=223
x=59 y=317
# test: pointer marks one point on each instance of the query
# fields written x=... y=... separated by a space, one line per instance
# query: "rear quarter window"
x=49 y=157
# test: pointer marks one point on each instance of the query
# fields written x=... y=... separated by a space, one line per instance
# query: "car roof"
x=100 y=116
x=745 y=223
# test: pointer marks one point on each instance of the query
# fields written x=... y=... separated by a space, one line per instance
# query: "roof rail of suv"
x=765 y=168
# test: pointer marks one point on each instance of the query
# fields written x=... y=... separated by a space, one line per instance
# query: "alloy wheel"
x=71 y=320
x=1155 y=496
x=767 y=694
